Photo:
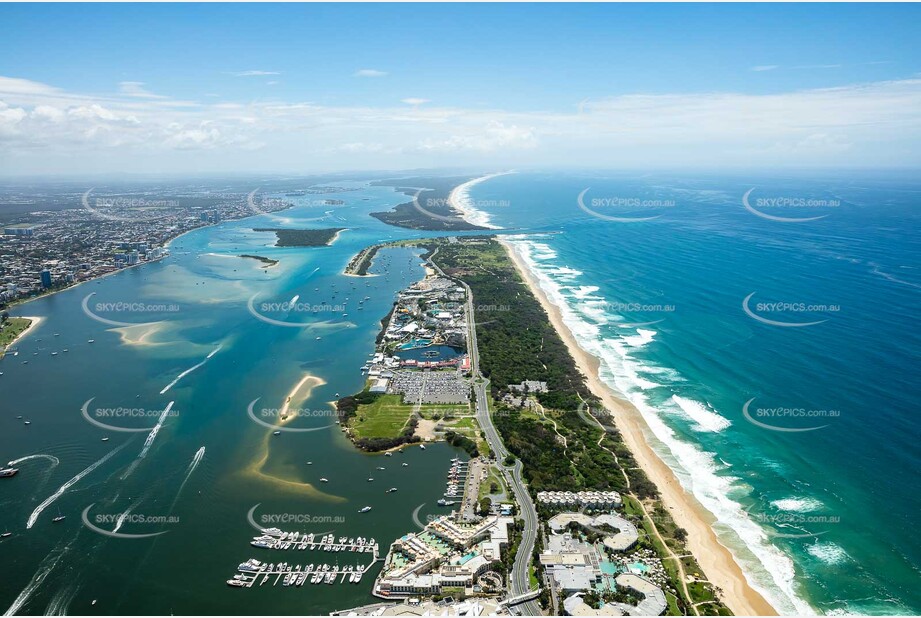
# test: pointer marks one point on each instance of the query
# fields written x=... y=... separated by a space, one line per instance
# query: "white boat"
x=365 y=509
x=324 y=480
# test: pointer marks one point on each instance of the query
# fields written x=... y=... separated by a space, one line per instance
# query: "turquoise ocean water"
x=823 y=517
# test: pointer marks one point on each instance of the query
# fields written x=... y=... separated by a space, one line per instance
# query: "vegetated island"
x=303 y=238
x=269 y=262
x=430 y=210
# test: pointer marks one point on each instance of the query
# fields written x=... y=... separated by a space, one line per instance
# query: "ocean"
x=689 y=309
x=770 y=346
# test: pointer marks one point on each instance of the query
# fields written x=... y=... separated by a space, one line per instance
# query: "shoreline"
x=33 y=324
x=717 y=562
x=166 y=246
x=458 y=199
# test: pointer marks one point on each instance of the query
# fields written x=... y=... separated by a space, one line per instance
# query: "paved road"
x=520 y=580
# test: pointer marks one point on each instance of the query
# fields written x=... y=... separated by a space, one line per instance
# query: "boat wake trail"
x=54 y=460
x=44 y=570
x=61 y=601
x=153 y=432
x=199 y=455
x=60 y=492
x=149 y=440
x=190 y=370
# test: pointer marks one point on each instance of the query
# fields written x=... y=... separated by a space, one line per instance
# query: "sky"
x=304 y=88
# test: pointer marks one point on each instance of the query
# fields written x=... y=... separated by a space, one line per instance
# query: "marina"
x=273 y=538
x=253 y=571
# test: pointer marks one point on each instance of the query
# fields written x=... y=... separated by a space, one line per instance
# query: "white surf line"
x=459 y=199
x=54 y=460
x=60 y=492
x=190 y=370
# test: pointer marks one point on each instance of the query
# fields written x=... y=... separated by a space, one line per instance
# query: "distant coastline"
x=459 y=200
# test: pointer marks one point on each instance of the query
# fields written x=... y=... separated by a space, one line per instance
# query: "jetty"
x=253 y=572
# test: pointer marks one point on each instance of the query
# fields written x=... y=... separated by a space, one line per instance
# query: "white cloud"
x=765 y=67
x=255 y=73
x=136 y=89
x=873 y=124
x=369 y=73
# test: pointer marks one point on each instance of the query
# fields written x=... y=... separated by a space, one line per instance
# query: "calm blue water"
x=823 y=519
x=199 y=302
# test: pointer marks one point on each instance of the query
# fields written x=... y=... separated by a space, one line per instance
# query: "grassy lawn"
x=384 y=418
x=493 y=477
x=11 y=329
x=673 y=609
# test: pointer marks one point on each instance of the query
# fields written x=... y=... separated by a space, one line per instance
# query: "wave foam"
x=797 y=504
x=768 y=569
x=828 y=552
x=706 y=419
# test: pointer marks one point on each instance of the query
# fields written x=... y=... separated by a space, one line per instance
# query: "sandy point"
x=459 y=200
x=34 y=321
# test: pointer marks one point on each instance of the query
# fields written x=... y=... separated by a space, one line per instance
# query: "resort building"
x=586 y=499
x=446 y=554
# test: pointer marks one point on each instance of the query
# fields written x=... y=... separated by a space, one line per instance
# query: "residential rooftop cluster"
x=585 y=499
x=52 y=249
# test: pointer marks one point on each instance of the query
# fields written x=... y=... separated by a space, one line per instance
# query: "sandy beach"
x=459 y=200
x=35 y=321
x=715 y=559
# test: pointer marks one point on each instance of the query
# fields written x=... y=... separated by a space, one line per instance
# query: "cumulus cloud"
x=876 y=123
